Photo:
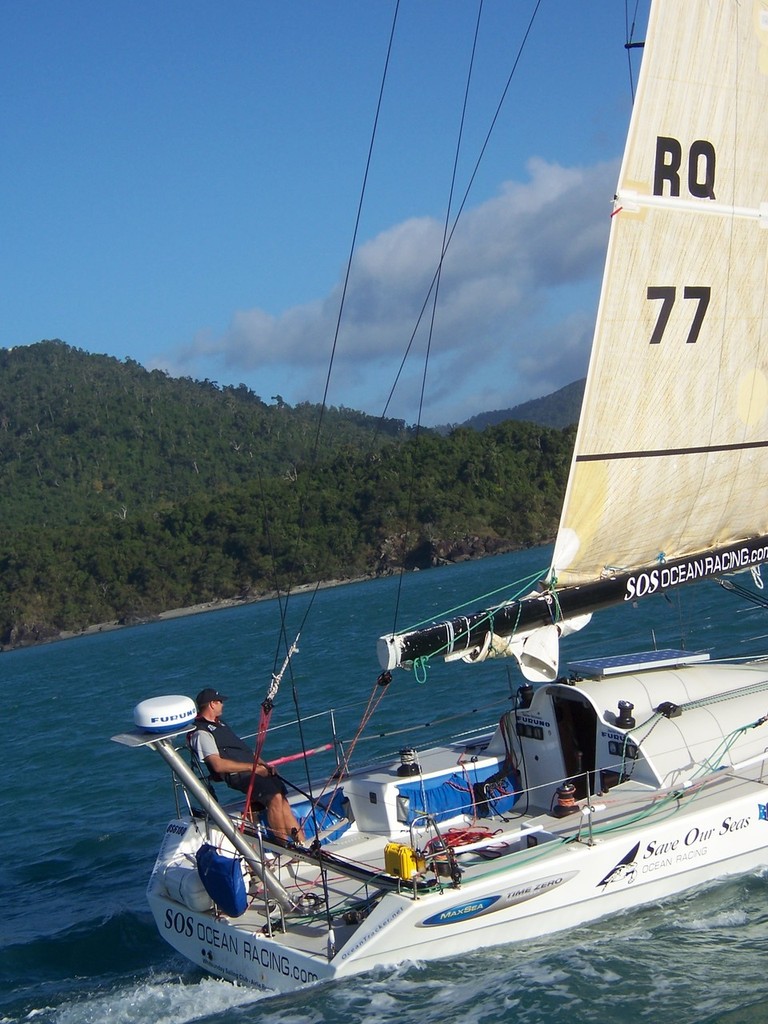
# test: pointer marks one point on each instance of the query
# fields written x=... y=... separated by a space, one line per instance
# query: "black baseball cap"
x=207 y=696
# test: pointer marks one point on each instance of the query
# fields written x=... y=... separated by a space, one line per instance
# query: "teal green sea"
x=83 y=817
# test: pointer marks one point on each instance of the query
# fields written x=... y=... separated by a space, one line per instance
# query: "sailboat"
x=619 y=781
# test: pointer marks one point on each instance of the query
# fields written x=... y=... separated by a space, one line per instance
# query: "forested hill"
x=560 y=409
x=83 y=436
x=125 y=493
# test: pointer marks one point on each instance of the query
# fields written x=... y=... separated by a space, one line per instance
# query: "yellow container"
x=402 y=861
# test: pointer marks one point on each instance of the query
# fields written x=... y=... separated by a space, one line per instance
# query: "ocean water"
x=83 y=817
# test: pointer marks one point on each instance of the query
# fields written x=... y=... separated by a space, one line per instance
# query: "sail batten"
x=633 y=201
x=672 y=452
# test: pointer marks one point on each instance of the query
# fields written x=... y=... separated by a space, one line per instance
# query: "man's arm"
x=205 y=747
x=222 y=765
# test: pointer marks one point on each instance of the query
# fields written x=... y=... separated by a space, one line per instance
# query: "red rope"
x=457 y=837
x=260 y=737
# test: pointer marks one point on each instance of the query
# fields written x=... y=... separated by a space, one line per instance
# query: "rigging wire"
x=356 y=228
x=630 y=43
x=448 y=234
x=432 y=294
x=353 y=246
x=384 y=78
x=742 y=591
x=463 y=203
x=436 y=289
x=283 y=599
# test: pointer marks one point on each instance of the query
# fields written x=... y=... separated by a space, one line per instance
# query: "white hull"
x=232 y=950
x=630 y=847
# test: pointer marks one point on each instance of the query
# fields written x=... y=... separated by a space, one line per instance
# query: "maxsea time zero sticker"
x=491 y=904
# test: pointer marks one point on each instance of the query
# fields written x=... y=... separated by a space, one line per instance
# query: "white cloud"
x=517 y=295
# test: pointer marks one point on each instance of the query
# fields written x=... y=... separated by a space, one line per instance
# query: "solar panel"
x=639 y=662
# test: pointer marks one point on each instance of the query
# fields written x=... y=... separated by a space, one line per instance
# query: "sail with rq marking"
x=672 y=450
x=667 y=483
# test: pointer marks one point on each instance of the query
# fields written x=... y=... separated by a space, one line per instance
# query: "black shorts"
x=264 y=786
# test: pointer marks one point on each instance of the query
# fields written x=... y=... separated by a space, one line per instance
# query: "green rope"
x=522 y=586
x=558 y=616
x=715 y=760
x=420 y=667
x=423 y=662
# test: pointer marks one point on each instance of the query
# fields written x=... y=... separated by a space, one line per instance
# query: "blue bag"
x=222 y=876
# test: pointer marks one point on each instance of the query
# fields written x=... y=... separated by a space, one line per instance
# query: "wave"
x=96 y=947
x=668 y=963
x=161 y=998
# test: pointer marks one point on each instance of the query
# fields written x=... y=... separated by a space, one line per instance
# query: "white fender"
x=183 y=884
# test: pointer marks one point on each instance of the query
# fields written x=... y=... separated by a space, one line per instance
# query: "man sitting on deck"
x=230 y=760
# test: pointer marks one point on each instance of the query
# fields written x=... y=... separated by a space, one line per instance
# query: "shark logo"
x=624 y=870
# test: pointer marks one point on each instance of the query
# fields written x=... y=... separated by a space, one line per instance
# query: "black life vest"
x=228 y=743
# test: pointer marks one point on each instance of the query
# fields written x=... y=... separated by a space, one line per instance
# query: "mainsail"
x=671 y=455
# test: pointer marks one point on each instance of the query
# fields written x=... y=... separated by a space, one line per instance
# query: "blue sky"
x=180 y=183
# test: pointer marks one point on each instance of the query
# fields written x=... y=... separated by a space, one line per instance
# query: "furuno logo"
x=461 y=912
x=184 y=716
